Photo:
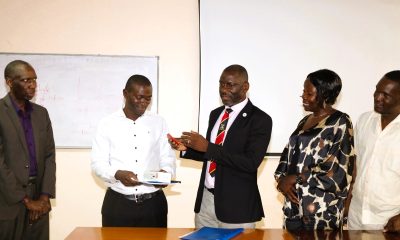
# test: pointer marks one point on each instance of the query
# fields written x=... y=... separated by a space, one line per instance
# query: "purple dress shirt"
x=25 y=118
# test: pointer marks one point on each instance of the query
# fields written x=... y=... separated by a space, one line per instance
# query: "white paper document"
x=156 y=178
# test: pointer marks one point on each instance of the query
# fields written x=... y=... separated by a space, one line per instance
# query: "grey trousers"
x=207 y=218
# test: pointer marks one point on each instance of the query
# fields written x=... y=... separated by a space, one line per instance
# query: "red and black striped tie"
x=220 y=138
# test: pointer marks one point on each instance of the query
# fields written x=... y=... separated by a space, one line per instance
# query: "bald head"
x=14 y=68
x=237 y=70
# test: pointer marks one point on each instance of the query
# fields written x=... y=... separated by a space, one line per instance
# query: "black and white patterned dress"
x=325 y=155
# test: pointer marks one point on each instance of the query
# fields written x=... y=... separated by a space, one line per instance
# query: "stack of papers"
x=208 y=233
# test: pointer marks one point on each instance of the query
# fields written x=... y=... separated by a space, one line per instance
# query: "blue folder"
x=209 y=233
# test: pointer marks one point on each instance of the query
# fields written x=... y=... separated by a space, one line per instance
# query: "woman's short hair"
x=327 y=83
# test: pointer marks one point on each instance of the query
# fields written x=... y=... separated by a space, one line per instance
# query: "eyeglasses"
x=27 y=80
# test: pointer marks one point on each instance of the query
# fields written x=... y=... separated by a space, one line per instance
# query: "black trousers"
x=117 y=211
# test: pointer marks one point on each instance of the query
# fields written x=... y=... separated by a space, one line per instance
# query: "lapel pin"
x=244 y=114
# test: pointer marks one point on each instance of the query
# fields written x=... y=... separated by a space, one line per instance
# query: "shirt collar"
x=397 y=119
x=239 y=106
x=28 y=106
x=394 y=121
x=121 y=113
x=378 y=115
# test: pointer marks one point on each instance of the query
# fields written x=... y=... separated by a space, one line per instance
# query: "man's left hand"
x=195 y=141
x=393 y=225
x=161 y=186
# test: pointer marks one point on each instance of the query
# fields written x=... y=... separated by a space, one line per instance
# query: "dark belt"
x=32 y=179
x=211 y=190
x=139 y=198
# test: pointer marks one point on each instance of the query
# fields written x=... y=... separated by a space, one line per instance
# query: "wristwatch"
x=299 y=179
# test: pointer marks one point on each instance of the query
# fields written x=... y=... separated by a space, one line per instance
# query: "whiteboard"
x=281 y=42
x=80 y=90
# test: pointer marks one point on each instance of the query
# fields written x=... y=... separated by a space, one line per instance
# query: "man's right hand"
x=176 y=143
x=127 y=178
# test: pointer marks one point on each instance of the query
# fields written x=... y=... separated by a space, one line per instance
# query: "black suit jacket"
x=14 y=157
x=236 y=195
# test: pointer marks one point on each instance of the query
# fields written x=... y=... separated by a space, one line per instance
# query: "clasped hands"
x=37 y=208
x=191 y=140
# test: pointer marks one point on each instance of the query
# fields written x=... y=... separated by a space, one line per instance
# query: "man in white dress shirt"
x=129 y=143
x=375 y=203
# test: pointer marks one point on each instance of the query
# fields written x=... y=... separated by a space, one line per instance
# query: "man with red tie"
x=237 y=139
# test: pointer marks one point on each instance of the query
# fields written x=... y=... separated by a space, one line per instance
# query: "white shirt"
x=376 y=191
x=137 y=146
x=209 y=181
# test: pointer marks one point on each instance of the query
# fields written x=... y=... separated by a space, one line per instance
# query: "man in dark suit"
x=234 y=148
x=27 y=158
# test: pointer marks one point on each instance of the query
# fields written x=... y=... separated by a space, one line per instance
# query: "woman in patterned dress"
x=315 y=168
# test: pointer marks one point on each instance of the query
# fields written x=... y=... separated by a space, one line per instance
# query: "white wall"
x=280 y=42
